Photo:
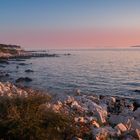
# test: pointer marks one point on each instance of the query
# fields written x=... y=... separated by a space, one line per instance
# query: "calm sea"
x=97 y=71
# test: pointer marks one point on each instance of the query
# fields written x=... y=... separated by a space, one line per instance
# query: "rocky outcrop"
x=99 y=118
x=10 y=90
x=106 y=117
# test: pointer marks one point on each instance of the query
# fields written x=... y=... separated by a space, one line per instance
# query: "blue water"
x=98 y=71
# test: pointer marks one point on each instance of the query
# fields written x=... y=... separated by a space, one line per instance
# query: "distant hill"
x=136 y=46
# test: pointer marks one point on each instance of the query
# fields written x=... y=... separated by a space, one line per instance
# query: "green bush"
x=22 y=119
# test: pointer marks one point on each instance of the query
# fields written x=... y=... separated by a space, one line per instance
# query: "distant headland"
x=136 y=46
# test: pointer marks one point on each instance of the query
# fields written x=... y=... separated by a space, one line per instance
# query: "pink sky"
x=70 y=24
x=72 y=39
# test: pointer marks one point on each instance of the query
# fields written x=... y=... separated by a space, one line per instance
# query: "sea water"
x=96 y=71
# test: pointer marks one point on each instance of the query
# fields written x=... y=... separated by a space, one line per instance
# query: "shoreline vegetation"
x=28 y=114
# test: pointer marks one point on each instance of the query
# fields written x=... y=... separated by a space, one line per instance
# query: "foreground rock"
x=94 y=117
x=104 y=118
x=11 y=90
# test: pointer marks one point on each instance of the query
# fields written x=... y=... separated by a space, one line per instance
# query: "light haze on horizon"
x=70 y=23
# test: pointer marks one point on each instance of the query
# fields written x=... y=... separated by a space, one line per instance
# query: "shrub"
x=21 y=119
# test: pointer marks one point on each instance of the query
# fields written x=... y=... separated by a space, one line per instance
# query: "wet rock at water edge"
x=18 y=59
x=136 y=104
x=67 y=54
x=23 y=64
x=77 y=92
x=29 y=70
x=1 y=66
x=24 y=79
x=4 y=74
x=137 y=90
x=2 y=61
x=7 y=75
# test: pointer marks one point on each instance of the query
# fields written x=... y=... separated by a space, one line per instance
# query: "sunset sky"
x=70 y=23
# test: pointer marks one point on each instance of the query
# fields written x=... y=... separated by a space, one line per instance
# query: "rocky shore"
x=14 y=54
x=94 y=117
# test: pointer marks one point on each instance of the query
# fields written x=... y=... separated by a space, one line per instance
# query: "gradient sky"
x=70 y=23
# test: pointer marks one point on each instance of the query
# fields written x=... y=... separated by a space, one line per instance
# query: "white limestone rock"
x=8 y=89
x=121 y=127
x=116 y=119
x=137 y=114
x=103 y=133
x=97 y=110
x=135 y=124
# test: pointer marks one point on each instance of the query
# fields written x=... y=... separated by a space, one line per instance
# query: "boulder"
x=69 y=100
x=101 y=116
x=136 y=104
x=135 y=133
x=137 y=113
x=100 y=133
x=2 y=66
x=121 y=127
x=77 y=92
x=93 y=108
x=109 y=100
x=129 y=106
x=135 y=124
x=137 y=90
x=29 y=70
x=23 y=64
x=23 y=79
x=80 y=119
x=95 y=124
x=10 y=90
x=119 y=106
x=127 y=137
x=116 y=119
x=4 y=61
x=103 y=133
x=57 y=107
x=94 y=99
x=75 y=106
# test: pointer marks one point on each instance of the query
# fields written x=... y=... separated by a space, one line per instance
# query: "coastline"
x=99 y=117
